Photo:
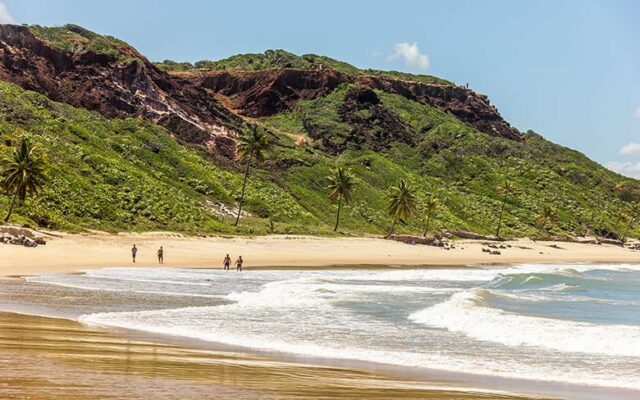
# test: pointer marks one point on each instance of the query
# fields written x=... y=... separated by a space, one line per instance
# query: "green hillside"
x=132 y=175
x=276 y=59
x=78 y=40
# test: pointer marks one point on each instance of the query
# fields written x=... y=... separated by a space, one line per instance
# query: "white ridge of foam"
x=465 y=312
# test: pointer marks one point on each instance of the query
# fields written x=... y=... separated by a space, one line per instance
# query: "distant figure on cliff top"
x=227 y=262
x=160 y=255
x=239 y=262
x=134 y=251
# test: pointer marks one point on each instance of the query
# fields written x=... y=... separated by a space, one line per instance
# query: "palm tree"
x=546 y=215
x=504 y=191
x=341 y=184
x=402 y=203
x=23 y=174
x=634 y=211
x=430 y=206
x=252 y=146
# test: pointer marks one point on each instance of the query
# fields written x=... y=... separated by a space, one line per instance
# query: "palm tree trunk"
x=627 y=229
x=393 y=227
x=13 y=203
x=338 y=216
x=244 y=186
x=426 y=229
x=504 y=202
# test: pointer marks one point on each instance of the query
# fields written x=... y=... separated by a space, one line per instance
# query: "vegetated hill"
x=84 y=69
x=281 y=59
x=130 y=174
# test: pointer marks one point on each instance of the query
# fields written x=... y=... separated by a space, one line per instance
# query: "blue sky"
x=566 y=69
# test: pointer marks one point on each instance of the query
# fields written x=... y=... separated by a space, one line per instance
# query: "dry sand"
x=67 y=253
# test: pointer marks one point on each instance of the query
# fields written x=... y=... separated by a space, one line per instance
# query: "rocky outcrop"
x=467 y=105
x=267 y=92
x=373 y=125
x=263 y=93
x=116 y=89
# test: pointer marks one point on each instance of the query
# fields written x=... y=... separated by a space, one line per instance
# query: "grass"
x=131 y=175
x=276 y=59
x=78 y=40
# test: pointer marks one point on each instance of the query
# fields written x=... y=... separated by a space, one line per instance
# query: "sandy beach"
x=77 y=362
x=48 y=358
x=69 y=252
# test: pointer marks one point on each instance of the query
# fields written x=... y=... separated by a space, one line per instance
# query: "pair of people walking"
x=160 y=253
x=227 y=263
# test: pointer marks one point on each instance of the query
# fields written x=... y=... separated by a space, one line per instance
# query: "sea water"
x=577 y=324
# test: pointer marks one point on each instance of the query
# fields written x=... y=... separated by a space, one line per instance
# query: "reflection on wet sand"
x=45 y=358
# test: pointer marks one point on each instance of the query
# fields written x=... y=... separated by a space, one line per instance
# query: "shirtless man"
x=239 y=262
x=227 y=262
x=134 y=252
x=160 y=255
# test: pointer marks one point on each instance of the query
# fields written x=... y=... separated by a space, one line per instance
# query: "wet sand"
x=48 y=358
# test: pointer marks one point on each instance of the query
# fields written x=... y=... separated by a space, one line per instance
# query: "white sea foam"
x=468 y=313
x=371 y=316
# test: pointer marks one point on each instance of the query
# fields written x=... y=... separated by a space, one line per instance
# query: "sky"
x=566 y=69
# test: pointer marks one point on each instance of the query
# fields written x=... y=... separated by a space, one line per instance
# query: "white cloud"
x=625 y=168
x=636 y=113
x=410 y=54
x=5 y=17
x=630 y=148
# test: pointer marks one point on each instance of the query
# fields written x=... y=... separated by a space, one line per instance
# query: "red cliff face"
x=133 y=89
x=207 y=107
x=263 y=93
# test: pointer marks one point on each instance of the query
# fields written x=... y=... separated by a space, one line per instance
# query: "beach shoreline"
x=60 y=358
x=70 y=253
x=74 y=252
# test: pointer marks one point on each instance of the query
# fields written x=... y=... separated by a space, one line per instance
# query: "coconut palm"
x=23 y=174
x=430 y=206
x=402 y=203
x=251 y=146
x=504 y=191
x=546 y=215
x=341 y=184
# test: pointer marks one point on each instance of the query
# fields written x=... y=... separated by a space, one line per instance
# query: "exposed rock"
x=263 y=93
x=374 y=126
x=266 y=92
x=99 y=82
x=223 y=210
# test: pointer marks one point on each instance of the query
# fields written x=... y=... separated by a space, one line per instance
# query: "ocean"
x=578 y=325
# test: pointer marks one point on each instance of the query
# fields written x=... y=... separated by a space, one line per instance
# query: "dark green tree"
x=23 y=174
x=504 y=191
x=251 y=146
x=341 y=184
x=430 y=206
x=402 y=203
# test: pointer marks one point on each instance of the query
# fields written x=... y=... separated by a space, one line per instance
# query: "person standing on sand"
x=227 y=262
x=134 y=251
x=239 y=262
x=160 y=255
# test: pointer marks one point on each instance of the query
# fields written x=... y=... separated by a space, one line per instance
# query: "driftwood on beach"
x=425 y=240
x=582 y=240
x=475 y=236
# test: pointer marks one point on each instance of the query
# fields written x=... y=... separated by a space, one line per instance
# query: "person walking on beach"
x=239 y=262
x=227 y=262
x=134 y=252
x=160 y=255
